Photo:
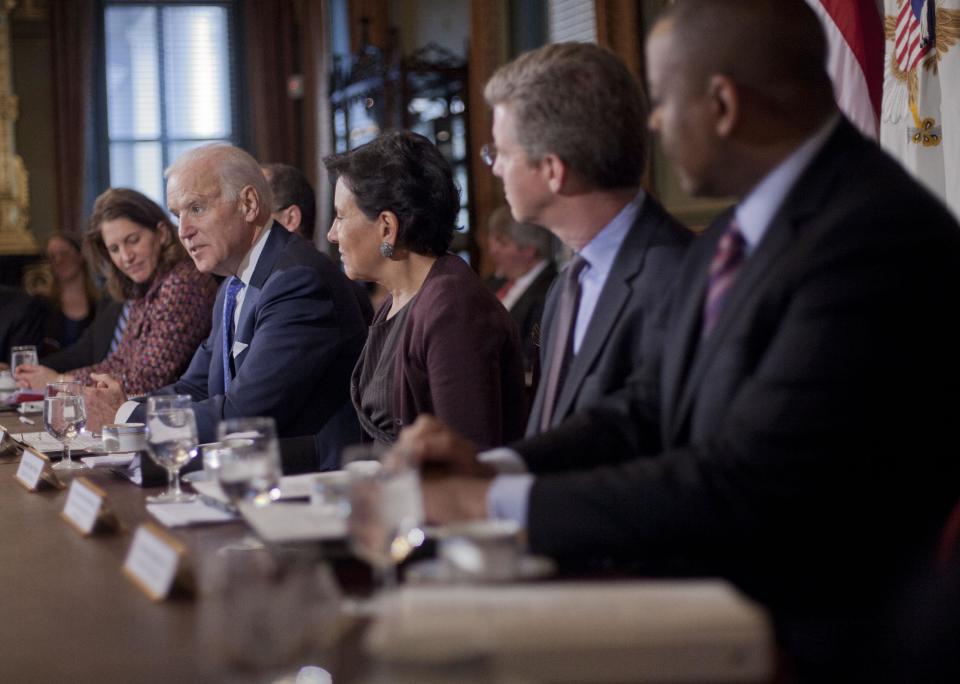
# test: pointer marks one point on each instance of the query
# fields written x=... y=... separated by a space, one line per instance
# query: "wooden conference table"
x=68 y=614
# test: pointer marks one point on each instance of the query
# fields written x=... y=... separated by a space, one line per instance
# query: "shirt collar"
x=601 y=251
x=758 y=208
x=249 y=263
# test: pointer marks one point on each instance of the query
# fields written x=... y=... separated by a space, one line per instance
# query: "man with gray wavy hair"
x=570 y=145
x=287 y=327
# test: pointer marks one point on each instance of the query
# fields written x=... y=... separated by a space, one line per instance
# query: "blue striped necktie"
x=121 y=326
x=229 y=305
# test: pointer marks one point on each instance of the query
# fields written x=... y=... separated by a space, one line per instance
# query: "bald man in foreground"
x=809 y=369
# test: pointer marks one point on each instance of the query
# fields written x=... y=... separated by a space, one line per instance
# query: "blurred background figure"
x=440 y=343
x=295 y=208
x=135 y=247
x=72 y=298
x=21 y=321
x=523 y=271
x=294 y=202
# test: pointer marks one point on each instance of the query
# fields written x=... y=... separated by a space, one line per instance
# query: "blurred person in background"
x=523 y=273
x=73 y=298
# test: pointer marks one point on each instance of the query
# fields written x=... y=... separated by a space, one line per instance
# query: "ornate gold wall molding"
x=14 y=193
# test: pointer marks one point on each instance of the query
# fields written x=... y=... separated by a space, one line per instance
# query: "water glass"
x=64 y=416
x=263 y=612
x=249 y=460
x=171 y=441
x=386 y=508
x=26 y=353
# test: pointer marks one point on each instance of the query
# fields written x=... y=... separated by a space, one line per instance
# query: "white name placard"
x=154 y=561
x=86 y=506
x=35 y=470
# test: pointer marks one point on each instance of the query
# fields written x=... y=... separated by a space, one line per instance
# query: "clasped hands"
x=454 y=482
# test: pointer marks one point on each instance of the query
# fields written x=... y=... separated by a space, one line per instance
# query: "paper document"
x=193 y=513
x=290 y=522
x=42 y=441
x=109 y=460
x=291 y=487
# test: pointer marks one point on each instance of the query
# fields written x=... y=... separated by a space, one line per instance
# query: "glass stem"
x=173 y=483
x=386 y=577
x=66 y=452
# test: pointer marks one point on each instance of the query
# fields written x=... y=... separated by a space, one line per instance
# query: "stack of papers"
x=603 y=631
x=42 y=441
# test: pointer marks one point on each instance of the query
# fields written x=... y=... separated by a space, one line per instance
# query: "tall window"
x=169 y=86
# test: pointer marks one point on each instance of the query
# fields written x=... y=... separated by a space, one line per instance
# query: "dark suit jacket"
x=304 y=327
x=622 y=331
x=94 y=345
x=800 y=439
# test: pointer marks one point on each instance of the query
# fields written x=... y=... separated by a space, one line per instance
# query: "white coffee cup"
x=124 y=437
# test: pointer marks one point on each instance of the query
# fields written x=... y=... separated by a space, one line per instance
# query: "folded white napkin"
x=192 y=513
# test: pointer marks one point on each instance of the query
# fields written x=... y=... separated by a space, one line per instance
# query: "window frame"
x=237 y=62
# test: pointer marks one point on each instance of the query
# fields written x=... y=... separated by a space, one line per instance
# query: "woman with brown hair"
x=72 y=298
x=135 y=246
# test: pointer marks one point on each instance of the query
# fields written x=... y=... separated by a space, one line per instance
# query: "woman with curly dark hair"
x=441 y=343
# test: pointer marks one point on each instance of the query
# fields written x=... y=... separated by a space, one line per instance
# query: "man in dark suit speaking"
x=809 y=371
x=287 y=327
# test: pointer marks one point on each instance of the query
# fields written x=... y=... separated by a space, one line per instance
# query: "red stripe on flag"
x=862 y=28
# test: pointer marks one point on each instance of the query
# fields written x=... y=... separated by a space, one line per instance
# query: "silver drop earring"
x=386 y=249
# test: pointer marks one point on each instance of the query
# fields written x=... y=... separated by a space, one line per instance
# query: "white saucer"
x=435 y=571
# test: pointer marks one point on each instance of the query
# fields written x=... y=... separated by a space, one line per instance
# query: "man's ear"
x=725 y=99
x=166 y=232
x=249 y=201
x=290 y=218
x=554 y=172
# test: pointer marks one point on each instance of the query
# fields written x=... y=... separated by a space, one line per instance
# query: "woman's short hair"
x=125 y=203
x=404 y=173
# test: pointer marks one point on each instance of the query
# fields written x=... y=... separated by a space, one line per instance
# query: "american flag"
x=914 y=35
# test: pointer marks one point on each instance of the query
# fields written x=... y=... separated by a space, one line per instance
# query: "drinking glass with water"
x=171 y=441
x=249 y=460
x=64 y=416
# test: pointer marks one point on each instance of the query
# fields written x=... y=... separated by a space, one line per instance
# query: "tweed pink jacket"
x=163 y=331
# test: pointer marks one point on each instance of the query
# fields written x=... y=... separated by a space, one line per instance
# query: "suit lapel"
x=806 y=198
x=251 y=298
x=683 y=336
x=614 y=296
x=742 y=294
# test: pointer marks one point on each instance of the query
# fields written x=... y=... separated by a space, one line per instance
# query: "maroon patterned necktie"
x=726 y=263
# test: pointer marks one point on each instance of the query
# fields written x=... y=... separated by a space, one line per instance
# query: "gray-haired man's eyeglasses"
x=488 y=153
